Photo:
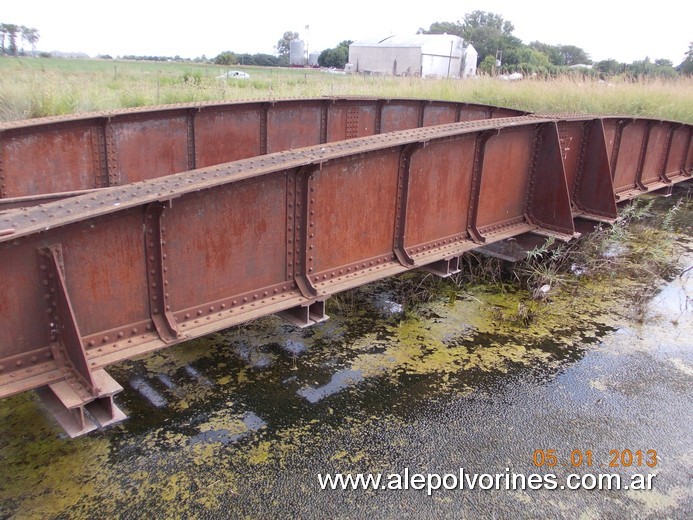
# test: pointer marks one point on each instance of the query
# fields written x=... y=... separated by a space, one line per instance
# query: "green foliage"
x=284 y=44
x=487 y=32
x=336 y=57
x=487 y=65
x=573 y=55
x=552 y=51
x=686 y=66
x=455 y=28
x=226 y=58
x=609 y=67
x=660 y=68
x=33 y=87
x=267 y=60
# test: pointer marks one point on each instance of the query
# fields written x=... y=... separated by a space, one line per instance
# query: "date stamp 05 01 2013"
x=585 y=458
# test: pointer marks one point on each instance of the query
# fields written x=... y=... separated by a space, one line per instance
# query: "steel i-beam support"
x=83 y=400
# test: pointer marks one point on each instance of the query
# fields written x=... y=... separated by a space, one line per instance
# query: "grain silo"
x=297 y=53
x=313 y=59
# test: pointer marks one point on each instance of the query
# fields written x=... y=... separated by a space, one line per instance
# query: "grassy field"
x=45 y=87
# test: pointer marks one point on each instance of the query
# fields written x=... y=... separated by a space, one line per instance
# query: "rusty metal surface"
x=87 y=151
x=156 y=257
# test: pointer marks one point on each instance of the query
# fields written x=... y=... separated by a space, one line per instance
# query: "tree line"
x=336 y=57
x=499 y=51
x=10 y=32
x=502 y=52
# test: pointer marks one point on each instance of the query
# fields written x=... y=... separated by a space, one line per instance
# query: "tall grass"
x=43 y=87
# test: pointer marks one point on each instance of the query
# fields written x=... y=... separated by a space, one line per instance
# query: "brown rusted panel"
x=629 y=150
x=548 y=202
x=53 y=159
x=147 y=147
x=226 y=242
x=400 y=115
x=440 y=178
x=104 y=262
x=474 y=112
x=439 y=114
x=293 y=125
x=610 y=134
x=24 y=316
x=570 y=137
x=654 y=154
x=593 y=190
x=348 y=120
x=66 y=339
x=227 y=236
x=505 y=179
x=225 y=134
x=498 y=112
x=677 y=150
x=353 y=211
x=89 y=151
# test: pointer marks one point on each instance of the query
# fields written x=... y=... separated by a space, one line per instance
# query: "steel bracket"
x=444 y=268
x=479 y=151
x=548 y=201
x=593 y=189
x=303 y=230
x=157 y=282
x=305 y=315
x=82 y=390
x=402 y=202
x=643 y=155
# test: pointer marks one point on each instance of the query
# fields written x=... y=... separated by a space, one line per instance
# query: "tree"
x=552 y=51
x=646 y=67
x=12 y=31
x=3 y=35
x=284 y=44
x=573 y=55
x=487 y=32
x=336 y=57
x=31 y=36
x=686 y=66
x=226 y=58
x=484 y=21
x=488 y=65
x=443 y=28
x=609 y=67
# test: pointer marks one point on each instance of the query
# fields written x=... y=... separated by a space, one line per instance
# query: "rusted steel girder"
x=101 y=277
x=51 y=158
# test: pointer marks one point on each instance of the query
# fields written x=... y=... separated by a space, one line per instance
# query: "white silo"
x=296 y=53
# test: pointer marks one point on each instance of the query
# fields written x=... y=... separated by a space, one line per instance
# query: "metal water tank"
x=296 y=53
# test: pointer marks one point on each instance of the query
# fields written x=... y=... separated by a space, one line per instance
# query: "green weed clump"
x=640 y=248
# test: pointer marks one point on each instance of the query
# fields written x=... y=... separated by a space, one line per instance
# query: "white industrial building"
x=424 y=55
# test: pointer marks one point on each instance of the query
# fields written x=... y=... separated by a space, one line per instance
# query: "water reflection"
x=339 y=381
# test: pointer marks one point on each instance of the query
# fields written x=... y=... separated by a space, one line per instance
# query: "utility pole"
x=498 y=62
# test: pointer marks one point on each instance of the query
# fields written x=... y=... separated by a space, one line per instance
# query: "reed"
x=44 y=86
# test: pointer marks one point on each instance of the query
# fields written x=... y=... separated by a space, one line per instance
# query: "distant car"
x=234 y=74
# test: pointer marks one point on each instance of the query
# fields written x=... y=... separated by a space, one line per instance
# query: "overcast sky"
x=625 y=31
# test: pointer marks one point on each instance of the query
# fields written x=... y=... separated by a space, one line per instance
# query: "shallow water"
x=239 y=423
